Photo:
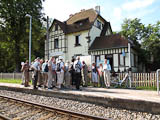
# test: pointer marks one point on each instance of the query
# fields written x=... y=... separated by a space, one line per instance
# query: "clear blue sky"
x=114 y=11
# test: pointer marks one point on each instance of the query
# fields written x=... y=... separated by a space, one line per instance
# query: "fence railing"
x=10 y=75
x=138 y=79
x=142 y=79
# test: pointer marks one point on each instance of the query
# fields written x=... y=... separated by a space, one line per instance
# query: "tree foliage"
x=14 y=32
x=146 y=40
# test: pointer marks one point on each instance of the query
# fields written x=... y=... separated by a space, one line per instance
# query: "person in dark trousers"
x=36 y=68
x=84 y=74
x=77 y=68
x=72 y=72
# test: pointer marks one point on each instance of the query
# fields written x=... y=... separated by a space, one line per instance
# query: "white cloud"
x=61 y=9
x=117 y=12
x=135 y=4
x=141 y=14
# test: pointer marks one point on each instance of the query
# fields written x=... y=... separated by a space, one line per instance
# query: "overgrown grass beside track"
x=19 y=81
x=147 y=88
x=15 y=81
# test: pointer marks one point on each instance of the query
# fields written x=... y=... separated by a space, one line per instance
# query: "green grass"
x=147 y=88
x=15 y=81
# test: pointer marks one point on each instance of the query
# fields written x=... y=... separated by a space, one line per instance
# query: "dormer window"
x=99 y=24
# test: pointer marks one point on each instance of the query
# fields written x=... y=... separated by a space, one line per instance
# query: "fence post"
x=1 y=75
x=13 y=76
x=158 y=81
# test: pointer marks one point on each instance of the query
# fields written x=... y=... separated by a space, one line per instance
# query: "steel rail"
x=4 y=117
x=58 y=110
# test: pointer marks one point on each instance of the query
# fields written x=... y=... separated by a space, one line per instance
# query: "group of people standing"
x=103 y=73
x=56 y=73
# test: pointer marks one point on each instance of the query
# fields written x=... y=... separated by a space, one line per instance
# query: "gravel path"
x=87 y=108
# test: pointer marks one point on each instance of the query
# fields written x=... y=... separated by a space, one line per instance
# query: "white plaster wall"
x=82 y=49
x=95 y=32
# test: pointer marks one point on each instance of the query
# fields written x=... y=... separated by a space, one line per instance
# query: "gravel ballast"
x=83 y=107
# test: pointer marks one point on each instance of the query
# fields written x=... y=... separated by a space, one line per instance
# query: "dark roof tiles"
x=78 y=22
x=110 y=41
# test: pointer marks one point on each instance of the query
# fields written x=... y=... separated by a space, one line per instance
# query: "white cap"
x=60 y=57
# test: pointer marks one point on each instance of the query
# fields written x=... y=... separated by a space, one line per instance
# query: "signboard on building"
x=56 y=54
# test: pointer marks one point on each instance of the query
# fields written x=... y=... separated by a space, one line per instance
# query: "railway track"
x=16 y=109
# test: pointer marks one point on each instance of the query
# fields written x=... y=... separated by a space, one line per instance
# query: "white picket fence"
x=142 y=79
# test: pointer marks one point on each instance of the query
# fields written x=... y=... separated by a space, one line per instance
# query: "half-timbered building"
x=88 y=33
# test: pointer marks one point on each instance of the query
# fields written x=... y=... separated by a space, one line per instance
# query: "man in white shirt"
x=107 y=69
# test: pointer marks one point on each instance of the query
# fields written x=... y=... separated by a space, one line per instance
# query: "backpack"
x=94 y=70
x=59 y=67
x=77 y=67
x=46 y=68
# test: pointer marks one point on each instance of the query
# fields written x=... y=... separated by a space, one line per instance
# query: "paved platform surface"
x=144 y=95
x=139 y=100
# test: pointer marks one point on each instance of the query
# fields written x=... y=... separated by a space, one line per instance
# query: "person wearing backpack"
x=60 y=72
x=45 y=73
x=77 y=68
